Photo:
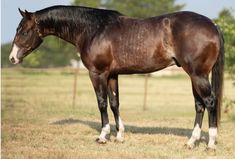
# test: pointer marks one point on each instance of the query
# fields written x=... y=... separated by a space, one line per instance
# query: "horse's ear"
x=22 y=12
x=25 y=13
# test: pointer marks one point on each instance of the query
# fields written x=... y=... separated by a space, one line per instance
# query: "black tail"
x=218 y=76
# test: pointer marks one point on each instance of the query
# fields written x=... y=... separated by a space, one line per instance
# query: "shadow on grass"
x=132 y=128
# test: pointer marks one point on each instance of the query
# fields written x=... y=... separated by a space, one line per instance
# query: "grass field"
x=39 y=121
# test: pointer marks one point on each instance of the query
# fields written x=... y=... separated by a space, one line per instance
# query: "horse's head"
x=27 y=37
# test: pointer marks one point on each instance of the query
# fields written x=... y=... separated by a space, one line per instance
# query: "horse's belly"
x=141 y=63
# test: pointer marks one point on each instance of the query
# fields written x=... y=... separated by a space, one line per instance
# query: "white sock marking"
x=120 y=133
x=105 y=131
x=196 y=134
x=121 y=126
x=212 y=137
x=14 y=52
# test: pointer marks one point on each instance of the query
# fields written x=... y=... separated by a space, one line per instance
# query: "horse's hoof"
x=189 y=146
x=101 y=141
x=211 y=150
x=119 y=140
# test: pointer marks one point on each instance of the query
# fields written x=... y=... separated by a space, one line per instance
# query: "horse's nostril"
x=12 y=60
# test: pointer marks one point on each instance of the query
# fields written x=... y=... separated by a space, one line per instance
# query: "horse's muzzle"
x=14 y=55
x=12 y=60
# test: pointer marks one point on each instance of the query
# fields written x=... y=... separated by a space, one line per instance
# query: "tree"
x=135 y=8
x=227 y=23
x=146 y=8
x=88 y=3
x=5 y=52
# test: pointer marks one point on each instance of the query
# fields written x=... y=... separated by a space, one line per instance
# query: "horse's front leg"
x=99 y=81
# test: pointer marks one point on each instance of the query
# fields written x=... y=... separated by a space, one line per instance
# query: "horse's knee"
x=199 y=107
x=210 y=101
x=114 y=103
x=102 y=104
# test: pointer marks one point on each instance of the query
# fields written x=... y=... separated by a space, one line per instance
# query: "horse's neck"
x=60 y=28
x=75 y=25
x=67 y=35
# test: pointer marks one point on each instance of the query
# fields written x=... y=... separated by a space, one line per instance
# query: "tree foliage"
x=5 y=52
x=227 y=23
x=134 y=8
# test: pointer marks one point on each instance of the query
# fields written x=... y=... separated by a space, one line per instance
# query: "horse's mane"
x=74 y=19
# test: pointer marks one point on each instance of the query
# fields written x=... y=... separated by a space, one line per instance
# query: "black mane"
x=71 y=20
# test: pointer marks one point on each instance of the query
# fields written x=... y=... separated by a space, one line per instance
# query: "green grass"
x=39 y=121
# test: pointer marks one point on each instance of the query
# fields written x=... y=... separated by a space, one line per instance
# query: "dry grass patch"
x=38 y=120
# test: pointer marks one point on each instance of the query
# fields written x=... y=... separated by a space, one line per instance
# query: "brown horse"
x=111 y=44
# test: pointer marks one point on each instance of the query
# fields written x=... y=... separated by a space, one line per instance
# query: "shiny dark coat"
x=111 y=44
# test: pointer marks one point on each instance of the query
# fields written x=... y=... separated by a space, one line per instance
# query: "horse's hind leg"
x=199 y=108
x=213 y=123
x=99 y=82
x=203 y=88
x=113 y=94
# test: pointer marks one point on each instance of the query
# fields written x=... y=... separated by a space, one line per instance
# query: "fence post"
x=75 y=86
x=145 y=91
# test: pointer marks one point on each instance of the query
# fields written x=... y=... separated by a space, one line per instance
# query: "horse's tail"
x=218 y=76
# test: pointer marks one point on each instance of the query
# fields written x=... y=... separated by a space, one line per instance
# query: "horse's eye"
x=25 y=33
